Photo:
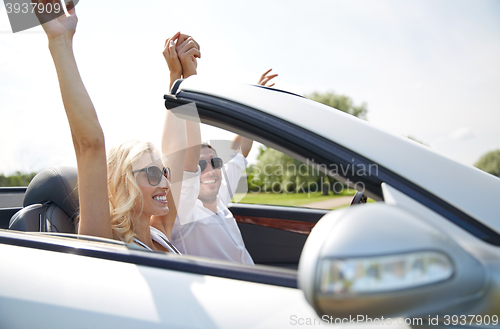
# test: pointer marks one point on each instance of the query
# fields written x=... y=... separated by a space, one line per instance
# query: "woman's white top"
x=162 y=240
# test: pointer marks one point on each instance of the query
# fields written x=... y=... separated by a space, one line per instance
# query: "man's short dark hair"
x=206 y=145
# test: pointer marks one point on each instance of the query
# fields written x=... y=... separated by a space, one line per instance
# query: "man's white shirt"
x=200 y=232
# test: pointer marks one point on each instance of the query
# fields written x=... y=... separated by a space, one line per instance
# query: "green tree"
x=18 y=179
x=340 y=102
x=278 y=172
x=490 y=162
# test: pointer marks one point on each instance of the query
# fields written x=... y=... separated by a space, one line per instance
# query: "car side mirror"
x=379 y=260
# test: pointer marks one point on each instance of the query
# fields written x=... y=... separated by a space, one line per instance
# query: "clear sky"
x=426 y=68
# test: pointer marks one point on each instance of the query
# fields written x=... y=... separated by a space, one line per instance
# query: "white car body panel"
x=469 y=189
x=57 y=290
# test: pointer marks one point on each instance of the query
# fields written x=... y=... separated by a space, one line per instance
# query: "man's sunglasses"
x=215 y=162
x=154 y=175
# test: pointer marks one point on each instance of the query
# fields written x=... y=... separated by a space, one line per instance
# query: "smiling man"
x=204 y=225
x=208 y=228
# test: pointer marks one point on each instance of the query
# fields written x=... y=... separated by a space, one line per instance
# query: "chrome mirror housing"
x=379 y=260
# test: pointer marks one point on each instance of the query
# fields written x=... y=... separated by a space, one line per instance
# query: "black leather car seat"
x=50 y=202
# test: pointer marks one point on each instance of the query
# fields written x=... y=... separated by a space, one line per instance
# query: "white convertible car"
x=426 y=253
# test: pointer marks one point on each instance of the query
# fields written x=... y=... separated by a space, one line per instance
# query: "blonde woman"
x=118 y=194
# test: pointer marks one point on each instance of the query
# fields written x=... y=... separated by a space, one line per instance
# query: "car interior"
x=50 y=203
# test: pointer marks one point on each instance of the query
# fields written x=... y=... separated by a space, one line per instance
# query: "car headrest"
x=56 y=184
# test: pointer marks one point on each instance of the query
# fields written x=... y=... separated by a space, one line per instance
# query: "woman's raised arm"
x=180 y=137
x=88 y=138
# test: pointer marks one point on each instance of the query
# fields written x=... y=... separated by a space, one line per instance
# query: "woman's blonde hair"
x=124 y=194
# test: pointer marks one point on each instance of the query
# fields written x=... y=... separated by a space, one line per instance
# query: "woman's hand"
x=188 y=51
x=60 y=27
x=264 y=78
x=170 y=54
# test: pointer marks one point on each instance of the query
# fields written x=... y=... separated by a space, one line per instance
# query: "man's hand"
x=264 y=78
x=188 y=51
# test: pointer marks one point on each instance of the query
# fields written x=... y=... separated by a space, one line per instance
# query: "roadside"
x=309 y=200
x=329 y=204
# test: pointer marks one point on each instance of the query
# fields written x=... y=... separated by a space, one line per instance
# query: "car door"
x=61 y=281
x=275 y=235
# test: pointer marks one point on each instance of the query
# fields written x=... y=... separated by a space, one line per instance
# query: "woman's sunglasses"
x=154 y=175
x=215 y=162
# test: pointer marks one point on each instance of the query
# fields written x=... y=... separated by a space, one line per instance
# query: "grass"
x=288 y=199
